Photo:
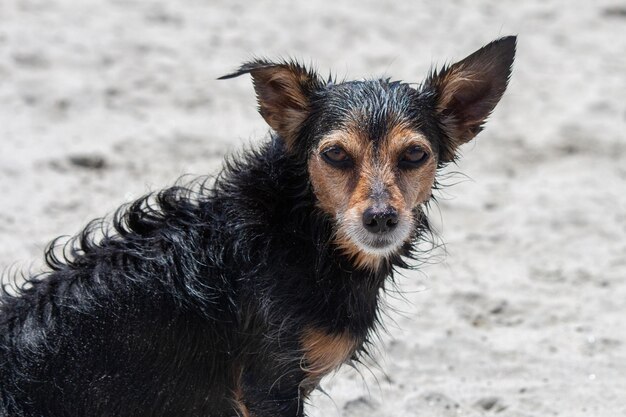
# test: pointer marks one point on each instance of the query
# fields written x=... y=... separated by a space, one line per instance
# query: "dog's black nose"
x=380 y=221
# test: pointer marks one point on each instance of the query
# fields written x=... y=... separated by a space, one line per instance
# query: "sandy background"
x=101 y=101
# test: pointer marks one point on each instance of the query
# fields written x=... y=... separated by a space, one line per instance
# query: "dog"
x=236 y=296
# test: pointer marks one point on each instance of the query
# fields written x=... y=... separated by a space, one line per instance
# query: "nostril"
x=369 y=220
x=391 y=223
x=391 y=220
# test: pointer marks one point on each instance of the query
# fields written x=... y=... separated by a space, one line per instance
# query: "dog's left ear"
x=284 y=92
x=466 y=92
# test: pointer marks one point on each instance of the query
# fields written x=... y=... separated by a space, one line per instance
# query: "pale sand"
x=524 y=317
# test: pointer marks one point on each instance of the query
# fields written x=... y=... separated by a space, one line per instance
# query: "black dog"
x=236 y=298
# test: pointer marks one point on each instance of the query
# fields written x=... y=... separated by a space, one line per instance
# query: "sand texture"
x=522 y=313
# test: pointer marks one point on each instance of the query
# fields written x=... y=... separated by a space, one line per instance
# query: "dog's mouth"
x=379 y=243
x=375 y=244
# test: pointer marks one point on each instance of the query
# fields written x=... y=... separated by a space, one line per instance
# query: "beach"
x=517 y=309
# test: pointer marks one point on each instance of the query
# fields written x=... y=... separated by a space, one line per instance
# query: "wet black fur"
x=150 y=319
x=192 y=291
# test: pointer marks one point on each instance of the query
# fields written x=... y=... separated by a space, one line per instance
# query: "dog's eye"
x=413 y=157
x=337 y=157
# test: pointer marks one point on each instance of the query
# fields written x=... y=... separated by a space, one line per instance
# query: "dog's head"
x=373 y=147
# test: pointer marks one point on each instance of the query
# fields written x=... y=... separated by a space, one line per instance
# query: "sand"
x=520 y=314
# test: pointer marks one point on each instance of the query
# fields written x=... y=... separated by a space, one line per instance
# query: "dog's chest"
x=324 y=352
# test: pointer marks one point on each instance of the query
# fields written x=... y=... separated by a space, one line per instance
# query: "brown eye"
x=413 y=157
x=337 y=157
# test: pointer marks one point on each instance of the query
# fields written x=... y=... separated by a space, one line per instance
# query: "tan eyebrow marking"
x=401 y=138
x=353 y=143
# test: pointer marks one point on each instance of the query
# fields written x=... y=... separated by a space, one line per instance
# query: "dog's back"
x=125 y=320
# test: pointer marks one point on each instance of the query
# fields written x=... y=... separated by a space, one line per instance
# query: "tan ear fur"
x=467 y=92
x=283 y=92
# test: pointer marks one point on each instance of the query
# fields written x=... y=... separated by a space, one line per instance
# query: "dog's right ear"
x=466 y=92
x=284 y=92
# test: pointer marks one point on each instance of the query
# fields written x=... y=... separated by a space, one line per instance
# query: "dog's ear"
x=284 y=92
x=466 y=92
